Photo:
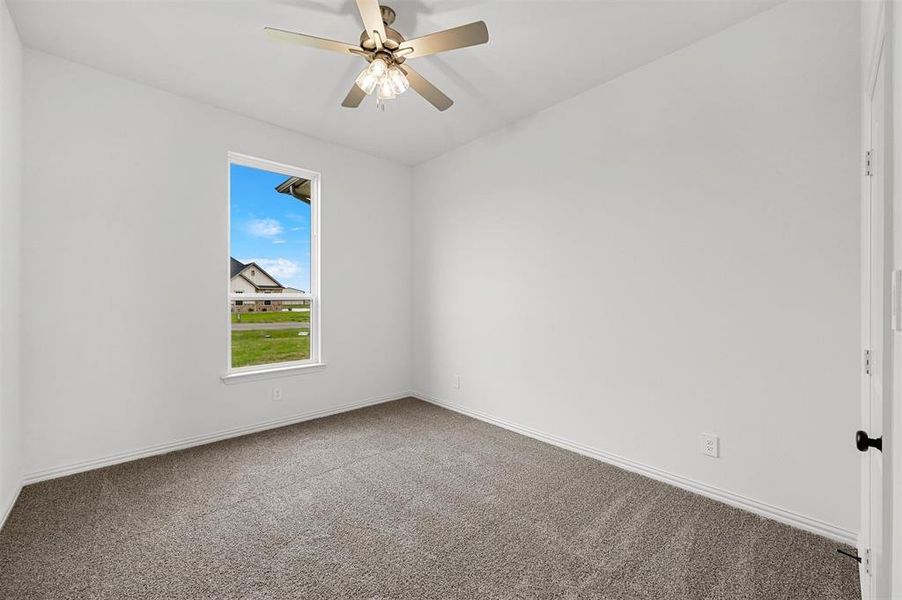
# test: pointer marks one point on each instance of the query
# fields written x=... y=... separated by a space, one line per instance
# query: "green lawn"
x=259 y=347
x=273 y=317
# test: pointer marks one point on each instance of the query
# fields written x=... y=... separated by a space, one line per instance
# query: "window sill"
x=269 y=373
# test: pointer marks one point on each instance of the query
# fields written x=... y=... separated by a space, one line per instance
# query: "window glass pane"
x=281 y=334
x=270 y=244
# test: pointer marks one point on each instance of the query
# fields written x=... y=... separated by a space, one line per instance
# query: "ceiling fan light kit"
x=386 y=50
x=388 y=82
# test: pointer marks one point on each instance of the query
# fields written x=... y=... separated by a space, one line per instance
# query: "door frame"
x=877 y=583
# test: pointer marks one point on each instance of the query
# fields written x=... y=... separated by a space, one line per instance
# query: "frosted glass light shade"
x=398 y=80
x=386 y=90
x=367 y=82
x=378 y=67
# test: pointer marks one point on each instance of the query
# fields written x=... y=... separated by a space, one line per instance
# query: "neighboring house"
x=251 y=278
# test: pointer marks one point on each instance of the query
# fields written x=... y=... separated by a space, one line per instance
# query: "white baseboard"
x=739 y=501
x=4 y=515
x=198 y=440
x=763 y=509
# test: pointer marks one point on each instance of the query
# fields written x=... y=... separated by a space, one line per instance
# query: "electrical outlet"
x=710 y=445
x=457 y=382
x=277 y=394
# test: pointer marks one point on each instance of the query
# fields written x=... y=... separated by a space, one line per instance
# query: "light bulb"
x=386 y=90
x=398 y=80
x=378 y=67
x=366 y=81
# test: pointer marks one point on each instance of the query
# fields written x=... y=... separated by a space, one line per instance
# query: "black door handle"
x=863 y=442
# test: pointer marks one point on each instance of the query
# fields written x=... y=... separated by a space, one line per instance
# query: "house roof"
x=297 y=187
x=238 y=267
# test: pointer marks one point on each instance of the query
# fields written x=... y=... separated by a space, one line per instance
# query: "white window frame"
x=314 y=294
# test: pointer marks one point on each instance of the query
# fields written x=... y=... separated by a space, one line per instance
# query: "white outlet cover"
x=710 y=445
x=277 y=394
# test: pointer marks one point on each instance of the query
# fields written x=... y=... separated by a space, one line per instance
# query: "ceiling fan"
x=387 y=51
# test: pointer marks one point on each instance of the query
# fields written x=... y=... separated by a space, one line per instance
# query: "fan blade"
x=449 y=39
x=372 y=19
x=310 y=41
x=354 y=97
x=432 y=94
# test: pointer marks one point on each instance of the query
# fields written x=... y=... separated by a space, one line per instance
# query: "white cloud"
x=280 y=268
x=278 y=241
x=264 y=227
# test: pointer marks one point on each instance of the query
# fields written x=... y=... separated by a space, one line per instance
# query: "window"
x=273 y=258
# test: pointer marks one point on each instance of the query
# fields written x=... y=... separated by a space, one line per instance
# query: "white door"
x=872 y=544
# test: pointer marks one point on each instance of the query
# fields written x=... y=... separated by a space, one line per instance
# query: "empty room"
x=450 y=299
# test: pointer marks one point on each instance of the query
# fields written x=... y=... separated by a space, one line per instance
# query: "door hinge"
x=863 y=559
x=867 y=164
x=867 y=361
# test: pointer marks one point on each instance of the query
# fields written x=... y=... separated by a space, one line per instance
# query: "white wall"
x=127 y=180
x=10 y=222
x=671 y=253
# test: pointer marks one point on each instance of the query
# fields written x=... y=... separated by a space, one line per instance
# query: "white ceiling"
x=539 y=53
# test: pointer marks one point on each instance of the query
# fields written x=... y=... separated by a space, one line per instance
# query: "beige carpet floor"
x=400 y=500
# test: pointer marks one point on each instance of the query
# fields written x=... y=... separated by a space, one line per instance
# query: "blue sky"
x=269 y=228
